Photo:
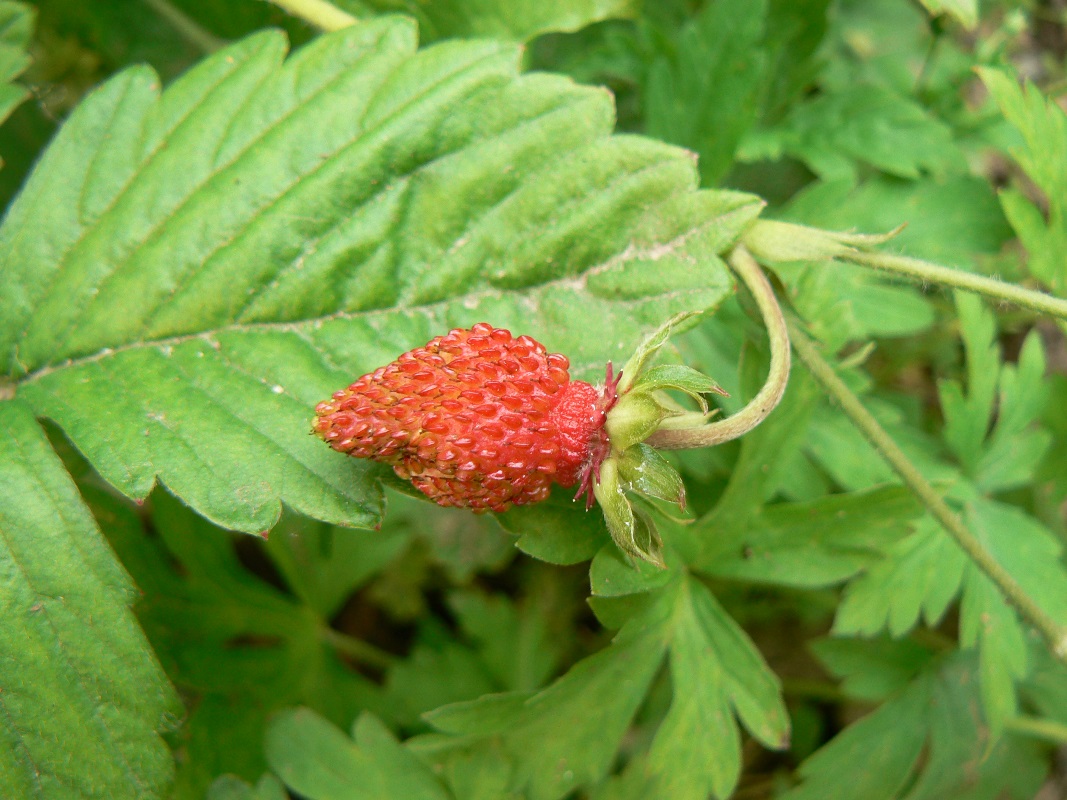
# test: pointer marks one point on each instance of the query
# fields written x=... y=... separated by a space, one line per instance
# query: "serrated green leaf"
x=926 y=571
x=716 y=672
x=80 y=684
x=559 y=530
x=918 y=580
x=1043 y=126
x=967 y=416
x=566 y=735
x=964 y=11
x=230 y=787
x=438 y=670
x=235 y=645
x=16 y=30
x=517 y=20
x=703 y=94
x=869 y=125
x=926 y=743
x=612 y=574
x=323 y=565
x=1016 y=445
x=871 y=669
x=187 y=274
x=319 y=762
x=815 y=543
x=515 y=640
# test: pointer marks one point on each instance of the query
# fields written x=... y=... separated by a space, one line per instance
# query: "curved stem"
x=742 y=262
x=186 y=26
x=319 y=13
x=1054 y=633
x=1047 y=729
x=357 y=649
x=935 y=273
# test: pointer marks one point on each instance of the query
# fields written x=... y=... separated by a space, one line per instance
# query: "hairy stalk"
x=1046 y=729
x=926 y=271
x=1055 y=633
x=742 y=262
x=186 y=26
x=357 y=649
x=319 y=13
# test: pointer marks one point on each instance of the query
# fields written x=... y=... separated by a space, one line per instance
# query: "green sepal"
x=680 y=377
x=772 y=242
x=634 y=418
x=648 y=348
x=632 y=531
x=643 y=470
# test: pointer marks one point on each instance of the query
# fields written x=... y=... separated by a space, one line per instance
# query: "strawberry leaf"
x=1043 y=155
x=716 y=673
x=518 y=20
x=229 y=787
x=319 y=762
x=76 y=671
x=237 y=645
x=566 y=735
x=16 y=29
x=187 y=274
x=913 y=745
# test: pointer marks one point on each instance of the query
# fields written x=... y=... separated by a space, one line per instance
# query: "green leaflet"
x=187 y=274
x=567 y=734
x=703 y=93
x=911 y=748
x=1043 y=155
x=716 y=673
x=320 y=763
x=517 y=20
x=238 y=648
x=16 y=29
x=576 y=724
x=80 y=686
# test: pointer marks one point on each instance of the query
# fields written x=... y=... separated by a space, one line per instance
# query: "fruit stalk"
x=742 y=263
x=1054 y=633
x=319 y=13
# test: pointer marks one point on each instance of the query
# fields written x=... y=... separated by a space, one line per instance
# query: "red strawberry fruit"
x=476 y=419
x=484 y=420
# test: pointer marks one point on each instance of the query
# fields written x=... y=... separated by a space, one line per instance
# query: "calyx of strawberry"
x=623 y=473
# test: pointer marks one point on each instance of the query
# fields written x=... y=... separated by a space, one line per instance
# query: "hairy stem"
x=319 y=13
x=935 y=273
x=1055 y=633
x=1046 y=729
x=742 y=262
x=357 y=649
x=204 y=40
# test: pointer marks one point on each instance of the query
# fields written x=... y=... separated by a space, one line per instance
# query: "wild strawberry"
x=483 y=420
x=476 y=419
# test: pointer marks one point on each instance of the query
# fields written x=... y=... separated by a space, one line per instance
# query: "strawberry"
x=475 y=419
x=484 y=420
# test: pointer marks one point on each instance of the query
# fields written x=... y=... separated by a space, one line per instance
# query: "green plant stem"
x=319 y=13
x=928 y=272
x=357 y=649
x=1054 y=633
x=1046 y=729
x=186 y=26
x=742 y=262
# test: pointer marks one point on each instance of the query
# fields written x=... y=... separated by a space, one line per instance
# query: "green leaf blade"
x=268 y=229
x=81 y=685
